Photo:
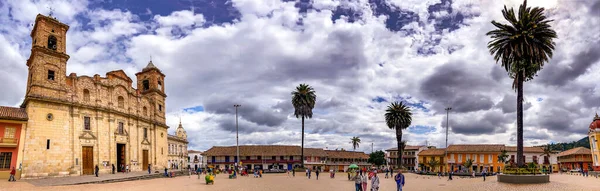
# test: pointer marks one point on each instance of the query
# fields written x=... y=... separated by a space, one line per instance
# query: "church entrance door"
x=121 y=157
x=87 y=155
x=145 y=159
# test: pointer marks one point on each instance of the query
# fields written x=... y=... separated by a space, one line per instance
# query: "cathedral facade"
x=78 y=122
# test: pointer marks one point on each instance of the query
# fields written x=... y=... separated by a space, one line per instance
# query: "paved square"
x=282 y=182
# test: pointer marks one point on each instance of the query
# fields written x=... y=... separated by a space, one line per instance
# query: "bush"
x=522 y=171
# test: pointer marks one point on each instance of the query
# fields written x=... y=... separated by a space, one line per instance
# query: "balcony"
x=254 y=161
x=8 y=142
x=314 y=162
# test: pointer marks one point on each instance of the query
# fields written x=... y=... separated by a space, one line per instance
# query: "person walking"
x=357 y=181
x=387 y=171
x=149 y=169
x=113 y=168
x=126 y=168
x=450 y=175
x=364 y=180
x=399 y=180
x=484 y=173
x=374 y=182
x=317 y=173
x=199 y=172
x=294 y=172
x=12 y=174
x=97 y=169
x=309 y=173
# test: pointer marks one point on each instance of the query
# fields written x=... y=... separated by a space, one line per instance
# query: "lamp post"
x=237 y=136
x=447 y=127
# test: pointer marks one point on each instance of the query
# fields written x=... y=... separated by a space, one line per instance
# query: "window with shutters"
x=120 y=128
x=459 y=158
x=481 y=158
x=490 y=158
x=145 y=133
x=5 y=159
x=86 y=123
x=121 y=101
x=9 y=132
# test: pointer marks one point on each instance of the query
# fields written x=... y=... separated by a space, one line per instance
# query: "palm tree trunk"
x=302 y=152
x=399 y=139
x=520 y=82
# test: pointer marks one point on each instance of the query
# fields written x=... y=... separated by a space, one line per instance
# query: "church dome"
x=596 y=123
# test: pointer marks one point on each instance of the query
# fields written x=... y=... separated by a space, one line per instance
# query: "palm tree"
x=503 y=156
x=468 y=164
x=522 y=47
x=303 y=100
x=547 y=152
x=398 y=117
x=433 y=164
x=355 y=142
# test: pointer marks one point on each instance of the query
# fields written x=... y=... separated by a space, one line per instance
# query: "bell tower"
x=151 y=83
x=47 y=62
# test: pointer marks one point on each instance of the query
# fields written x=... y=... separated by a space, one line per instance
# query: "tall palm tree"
x=468 y=164
x=355 y=142
x=303 y=100
x=522 y=47
x=398 y=117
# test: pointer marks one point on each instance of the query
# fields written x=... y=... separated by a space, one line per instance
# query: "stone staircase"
x=133 y=178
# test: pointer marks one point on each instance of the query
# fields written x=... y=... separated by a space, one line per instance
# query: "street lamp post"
x=447 y=127
x=237 y=136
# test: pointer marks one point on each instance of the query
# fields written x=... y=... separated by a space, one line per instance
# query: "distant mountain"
x=585 y=142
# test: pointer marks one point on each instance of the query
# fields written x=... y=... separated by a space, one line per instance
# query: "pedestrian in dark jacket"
x=149 y=168
x=113 y=168
x=97 y=169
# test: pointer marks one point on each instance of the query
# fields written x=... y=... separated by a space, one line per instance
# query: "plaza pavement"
x=281 y=182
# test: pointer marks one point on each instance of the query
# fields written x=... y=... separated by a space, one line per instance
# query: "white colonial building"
x=534 y=154
x=196 y=159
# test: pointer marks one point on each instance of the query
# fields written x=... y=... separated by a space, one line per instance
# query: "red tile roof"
x=576 y=151
x=475 y=148
x=13 y=113
x=408 y=147
x=432 y=152
x=525 y=149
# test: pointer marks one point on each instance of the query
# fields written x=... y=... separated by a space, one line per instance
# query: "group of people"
x=361 y=180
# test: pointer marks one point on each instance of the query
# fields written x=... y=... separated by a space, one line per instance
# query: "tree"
x=377 y=158
x=355 y=142
x=433 y=164
x=398 y=117
x=502 y=157
x=303 y=100
x=468 y=164
x=522 y=47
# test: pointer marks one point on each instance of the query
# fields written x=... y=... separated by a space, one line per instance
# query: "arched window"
x=86 y=95
x=159 y=85
x=145 y=111
x=121 y=102
x=52 y=42
x=146 y=85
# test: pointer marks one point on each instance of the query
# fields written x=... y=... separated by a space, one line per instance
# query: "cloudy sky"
x=359 y=55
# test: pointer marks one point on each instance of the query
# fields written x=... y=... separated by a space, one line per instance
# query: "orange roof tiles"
x=13 y=113
x=576 y=151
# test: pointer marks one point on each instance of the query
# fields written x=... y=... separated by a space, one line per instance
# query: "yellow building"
x=484 y=156
x=77 y=122
x=427 y=156
x=594 y=135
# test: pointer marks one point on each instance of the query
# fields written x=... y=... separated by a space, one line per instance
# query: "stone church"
x=77 y=122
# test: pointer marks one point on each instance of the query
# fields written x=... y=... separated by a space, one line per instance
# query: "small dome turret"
x=595 y=123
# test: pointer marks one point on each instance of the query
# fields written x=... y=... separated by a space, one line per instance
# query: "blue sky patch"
x=419 y=105
x=539 y=99
x=194 y=109
x=379 y=99
x=421 y=129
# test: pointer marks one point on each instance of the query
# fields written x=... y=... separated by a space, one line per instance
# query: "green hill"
x=585 y=142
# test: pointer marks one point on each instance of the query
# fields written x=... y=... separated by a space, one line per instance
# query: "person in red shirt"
x=12 y=175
